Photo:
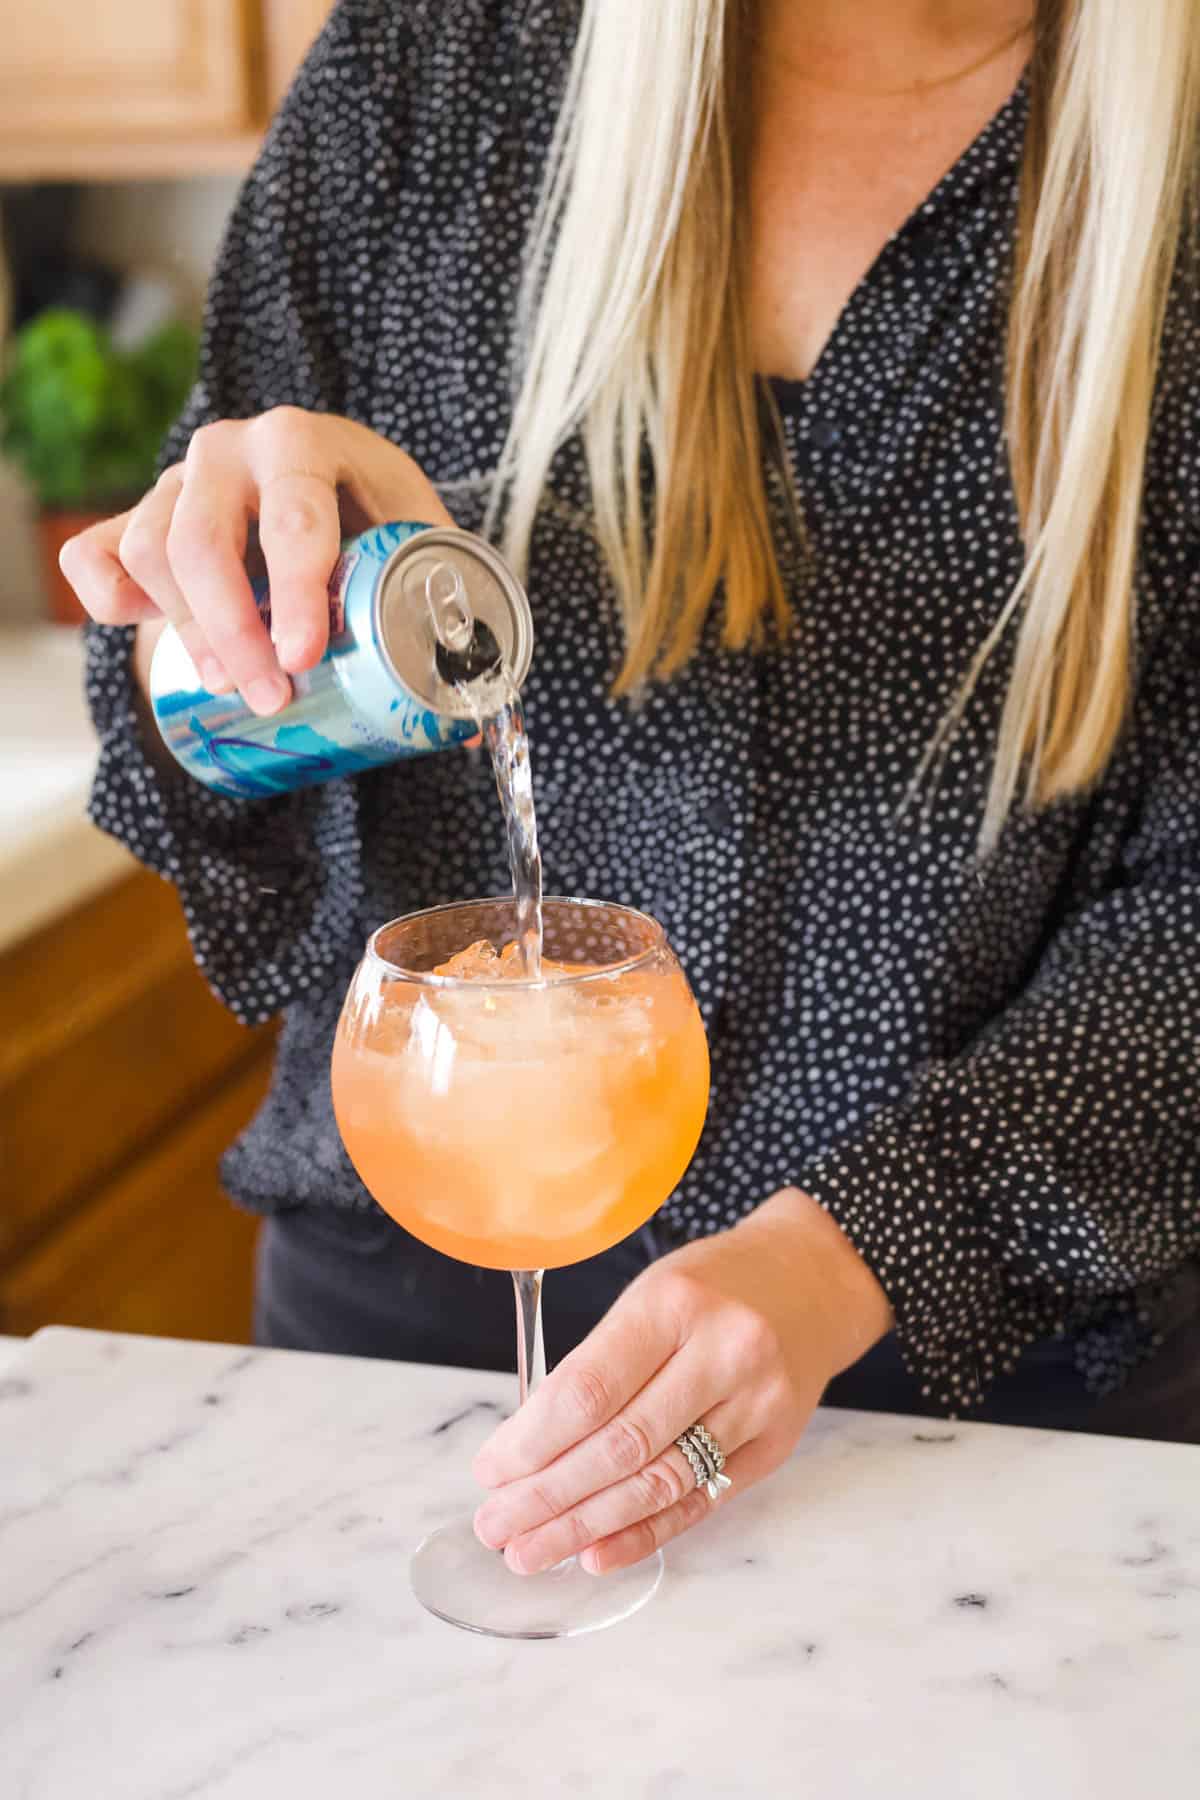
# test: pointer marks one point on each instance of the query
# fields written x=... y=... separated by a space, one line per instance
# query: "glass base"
x=459 y=1579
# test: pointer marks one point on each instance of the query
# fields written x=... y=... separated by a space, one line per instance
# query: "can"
x=380 y=692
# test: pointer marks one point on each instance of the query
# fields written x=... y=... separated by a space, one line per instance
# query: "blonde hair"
x=633 y=329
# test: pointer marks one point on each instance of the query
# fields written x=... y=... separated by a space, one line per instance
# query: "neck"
x=886 y=42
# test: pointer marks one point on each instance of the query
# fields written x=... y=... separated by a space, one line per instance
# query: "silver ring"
x=707 y=1460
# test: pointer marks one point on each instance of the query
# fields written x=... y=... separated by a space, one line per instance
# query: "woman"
x=855 y=434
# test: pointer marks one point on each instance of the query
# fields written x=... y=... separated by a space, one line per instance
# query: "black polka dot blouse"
x=988 y=1075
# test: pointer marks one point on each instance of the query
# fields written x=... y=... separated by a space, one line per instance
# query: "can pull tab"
x=449 y=608
x=466 y=647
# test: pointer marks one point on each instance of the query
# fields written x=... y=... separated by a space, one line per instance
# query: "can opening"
x=466 y=647
x=450 y=614
x=482 y=656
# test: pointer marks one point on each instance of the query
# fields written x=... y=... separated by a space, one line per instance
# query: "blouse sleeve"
x=270 y=888
x=1026 y=1185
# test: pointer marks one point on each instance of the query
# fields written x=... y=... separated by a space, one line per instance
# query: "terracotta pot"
x=54 y=528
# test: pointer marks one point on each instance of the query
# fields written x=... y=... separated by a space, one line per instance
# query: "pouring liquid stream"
x=508 y=745
x=469 y=657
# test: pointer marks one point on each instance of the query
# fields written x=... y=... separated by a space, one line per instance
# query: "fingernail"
x=490 y=1528
x=213 y=676
x=589 y=1562
x=517 y=1561
x=291 y=652
x=267 y=693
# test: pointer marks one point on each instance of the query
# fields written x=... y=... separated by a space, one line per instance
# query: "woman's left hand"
x=739 y=1332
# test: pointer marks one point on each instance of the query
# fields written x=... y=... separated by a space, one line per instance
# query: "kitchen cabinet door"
x=157 y=68
x=113 y=1036
x=158 y=1248
x=122 y=1081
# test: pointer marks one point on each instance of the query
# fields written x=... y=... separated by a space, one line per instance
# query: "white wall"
x=170 y=228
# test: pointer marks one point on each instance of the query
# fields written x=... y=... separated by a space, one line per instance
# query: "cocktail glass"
x=524 y=1125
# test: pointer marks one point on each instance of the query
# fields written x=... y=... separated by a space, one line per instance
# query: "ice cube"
x=478 y=962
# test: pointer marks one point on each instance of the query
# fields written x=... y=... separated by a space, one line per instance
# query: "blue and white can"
x=378 y=693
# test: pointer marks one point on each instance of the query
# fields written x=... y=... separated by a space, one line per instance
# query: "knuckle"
x=627 y=1446
x=779 y=1399
x=676 y=1283
x=678 y=1294
x=750 y=1336
x=544 y=1501
x=660 y=1487
x=96 y=581
x=293 y=518
x=280 y=424
x=141 y=548
x=588 y=1395
x=578 y=1533
x=73 y=558
x=212 y=442
x=683 y=1290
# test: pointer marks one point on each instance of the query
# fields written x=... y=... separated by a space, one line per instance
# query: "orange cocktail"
x=520 y=1119
x=524 y=1127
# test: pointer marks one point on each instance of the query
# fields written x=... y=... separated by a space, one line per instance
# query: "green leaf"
x=84 y=420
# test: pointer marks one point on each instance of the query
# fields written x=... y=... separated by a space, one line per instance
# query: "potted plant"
x=84 y=418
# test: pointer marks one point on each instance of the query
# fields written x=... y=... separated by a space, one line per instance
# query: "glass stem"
x=531 y=1352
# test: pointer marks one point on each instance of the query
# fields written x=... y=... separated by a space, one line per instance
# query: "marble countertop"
x=203 y=1596
x=51 y=856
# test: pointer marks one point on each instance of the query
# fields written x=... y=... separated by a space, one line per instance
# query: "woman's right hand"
x=178 y=556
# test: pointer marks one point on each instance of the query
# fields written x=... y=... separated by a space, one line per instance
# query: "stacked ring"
x=707 y=1459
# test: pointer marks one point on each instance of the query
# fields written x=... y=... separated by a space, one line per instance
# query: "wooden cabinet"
x=180 y=66
x=121 y=1082
x=144 y=87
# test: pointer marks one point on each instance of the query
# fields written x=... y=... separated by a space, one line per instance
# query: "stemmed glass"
x=520 y=1124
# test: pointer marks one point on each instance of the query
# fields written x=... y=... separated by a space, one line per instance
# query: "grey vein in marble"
x=203 y=1596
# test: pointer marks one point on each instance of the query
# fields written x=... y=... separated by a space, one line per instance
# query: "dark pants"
x=360 y=1286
